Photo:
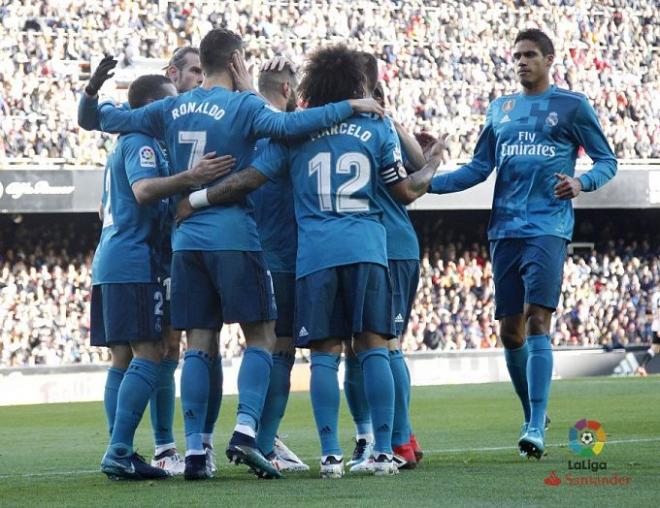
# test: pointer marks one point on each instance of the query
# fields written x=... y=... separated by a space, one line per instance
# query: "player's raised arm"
x=88 y=117
x=149 y=120
x=474 y=172
x=415 y=159
x=589 y=134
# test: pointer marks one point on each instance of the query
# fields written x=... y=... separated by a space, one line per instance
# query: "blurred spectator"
x=45 y=279
x=442 y=62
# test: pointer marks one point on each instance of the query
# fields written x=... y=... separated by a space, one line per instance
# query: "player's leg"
x=358 y=407
x=134 y=315
x=195 y=308
x=163 y=400
x=247 y=297
x=367 y=296
x=542 y=270
x=404 y=275
x=280 y=378
x=121 y=356
x=213 y=406
x=509 y=308
x=316 y=327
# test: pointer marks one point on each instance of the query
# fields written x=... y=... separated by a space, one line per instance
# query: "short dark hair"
x=538 y=37
x=370 y=65
x=216 y=49
x=150 y=87
x=270 y=80
x=332 y=74
x=178 y=58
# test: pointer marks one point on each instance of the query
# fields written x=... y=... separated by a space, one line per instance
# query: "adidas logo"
x=398 y=318
x=303 y=332
x=326 y=430
x=505 y=119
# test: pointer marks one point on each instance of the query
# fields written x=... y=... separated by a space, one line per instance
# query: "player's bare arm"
x=207 y=169
x=416 y=159
x=230 y=190
x=416 y=184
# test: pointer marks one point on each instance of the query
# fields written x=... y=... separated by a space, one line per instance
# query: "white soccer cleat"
x=332 y=467
x=285 y=460
x=384 y=465
x=170 y=461
x=211 y=468
x=362 y=452
x=365 y=466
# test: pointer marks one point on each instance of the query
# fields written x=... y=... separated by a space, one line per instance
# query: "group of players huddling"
x=293 y=224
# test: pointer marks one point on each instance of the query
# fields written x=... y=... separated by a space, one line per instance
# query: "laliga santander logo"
x=587 y=438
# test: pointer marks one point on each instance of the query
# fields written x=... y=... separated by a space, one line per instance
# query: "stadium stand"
x=45 y=278
x=442 y=65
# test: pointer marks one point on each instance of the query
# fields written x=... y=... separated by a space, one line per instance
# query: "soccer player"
x=403 y=262
x=185 y=72
x=655 y=329
x=342 y=281
x=218 y=271
x=533 y=138
x=278 y=231
x=127 y=300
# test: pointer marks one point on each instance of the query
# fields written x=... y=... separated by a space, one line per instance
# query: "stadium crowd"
x=45 y=276
x=442 y=61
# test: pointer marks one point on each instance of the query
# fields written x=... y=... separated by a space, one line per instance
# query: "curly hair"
x=332 y=74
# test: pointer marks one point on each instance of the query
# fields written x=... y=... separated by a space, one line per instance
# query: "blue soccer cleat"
x=532 y=444
x=129 y=467
x=243 y=449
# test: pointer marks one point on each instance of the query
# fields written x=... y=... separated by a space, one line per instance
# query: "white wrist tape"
x=199 y=199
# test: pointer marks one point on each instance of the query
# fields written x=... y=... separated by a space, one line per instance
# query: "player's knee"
x=202 y=340
x=284 y=345
x=332 y=346
x=172 y=344
x=537 y=321
x=152 y=351
x=368 y=340
x=121 y=357
x=260 y=334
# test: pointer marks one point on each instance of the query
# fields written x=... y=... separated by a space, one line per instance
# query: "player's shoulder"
x=137 y=139
x=565 y=93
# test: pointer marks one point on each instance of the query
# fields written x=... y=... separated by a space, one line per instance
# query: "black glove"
x=101 y=75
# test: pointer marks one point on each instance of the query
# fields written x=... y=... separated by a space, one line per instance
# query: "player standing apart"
x=533 y=138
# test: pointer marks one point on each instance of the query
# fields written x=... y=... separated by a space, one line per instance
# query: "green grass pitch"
x=49 y=454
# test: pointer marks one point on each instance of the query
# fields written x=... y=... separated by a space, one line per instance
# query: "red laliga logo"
x=552 y=479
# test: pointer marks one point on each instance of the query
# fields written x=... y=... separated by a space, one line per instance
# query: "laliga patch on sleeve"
x=147 y=157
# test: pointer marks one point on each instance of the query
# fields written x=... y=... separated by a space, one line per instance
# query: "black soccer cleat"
x=243 y=449
x=133 y=467
x=196 y=468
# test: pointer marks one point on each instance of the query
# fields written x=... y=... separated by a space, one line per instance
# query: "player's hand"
x=278 y=64
x=241 y=74
x=183 y=210
x=101 y=75
x=567 y=188
x=435 y=151
x=425 y=139
x=209 y=168
x=367 y=106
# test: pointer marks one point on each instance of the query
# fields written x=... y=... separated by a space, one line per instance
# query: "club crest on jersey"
x=552 y=119
x=508 y=105
x=147 y=157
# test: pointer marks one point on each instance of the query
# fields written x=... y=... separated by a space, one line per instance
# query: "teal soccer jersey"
x=529 y=138
x=132 y=235
x=276 y=221
x=336 y=175
x=401 y=236
x=225 y=122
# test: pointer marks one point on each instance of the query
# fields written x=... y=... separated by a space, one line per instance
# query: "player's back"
x=213 y=120
x=335 y=175
x=131 y=236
